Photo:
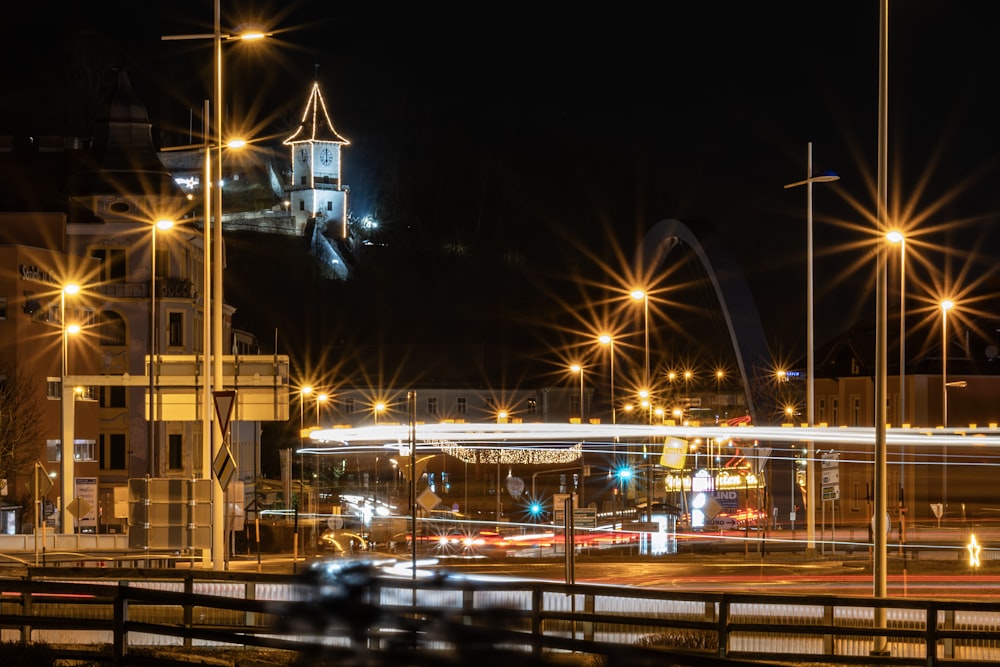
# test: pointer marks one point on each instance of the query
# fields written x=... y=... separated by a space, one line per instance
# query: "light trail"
x=328 y=441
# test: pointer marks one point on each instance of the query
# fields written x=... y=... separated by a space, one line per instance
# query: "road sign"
x=42 y=479
x=428 y=500
x=224 y=466
x=79 y=507
x=224 y=400
x=585 y=517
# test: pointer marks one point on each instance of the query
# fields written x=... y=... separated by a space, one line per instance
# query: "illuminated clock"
x=326 y=157
x=304 y=155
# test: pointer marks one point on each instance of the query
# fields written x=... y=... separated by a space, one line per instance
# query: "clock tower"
x=316 y=191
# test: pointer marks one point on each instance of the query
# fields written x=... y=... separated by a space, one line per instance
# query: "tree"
x=21 y=434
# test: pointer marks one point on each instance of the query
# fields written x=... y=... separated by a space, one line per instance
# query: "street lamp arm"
x=818 y=177
x=209 y=35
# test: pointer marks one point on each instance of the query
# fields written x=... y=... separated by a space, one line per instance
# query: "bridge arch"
x=730 y=287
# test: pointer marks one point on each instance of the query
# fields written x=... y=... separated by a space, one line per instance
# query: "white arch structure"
x=729 y=284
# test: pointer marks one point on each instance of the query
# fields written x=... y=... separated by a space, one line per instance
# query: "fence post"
x=723 y=625
x=949 y=642
x=930 y=631
x=588 y=626
x=828 y=622
x=536 y=620
x=26 y=610
x=188 y=608
x=120 y=641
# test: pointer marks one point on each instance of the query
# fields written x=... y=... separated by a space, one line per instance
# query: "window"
x=112 y=328
x=176 y=329
x=834 y=412
x=821 y=409
x=112 y=263
x=462 y=406
x=432 y=405
x=302 y=204
x=302 y=180
x=112 y=451
x=175 y=451
x=532 y=406
x=855 y=410
x=349 y=405
x=3 y=307
x=53 y=389
x=329 y=205
x=113 y=397
x=85 y=450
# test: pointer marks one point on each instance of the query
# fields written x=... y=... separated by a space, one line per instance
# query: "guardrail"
x=361 y=609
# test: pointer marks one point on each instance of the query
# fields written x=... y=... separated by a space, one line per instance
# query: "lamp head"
x=824 y=176
x=947 y=304
x=894 y=236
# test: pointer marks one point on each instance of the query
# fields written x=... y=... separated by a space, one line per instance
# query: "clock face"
x=326 y=157
x=304 y=155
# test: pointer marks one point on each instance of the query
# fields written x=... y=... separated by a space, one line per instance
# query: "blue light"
x=535 y=508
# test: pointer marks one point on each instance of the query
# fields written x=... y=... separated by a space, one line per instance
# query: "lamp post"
x=896 y=237
x=213 y=322
x=66 y=457
x=377 y=408
x=880 y=526
x=642 y=295
x=320 y=398
x=577 y=368
x=811 y=177
x=606 y=339
x=946 y=305
x=159 y=225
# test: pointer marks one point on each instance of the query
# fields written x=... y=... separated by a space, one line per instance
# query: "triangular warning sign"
x=224 y=400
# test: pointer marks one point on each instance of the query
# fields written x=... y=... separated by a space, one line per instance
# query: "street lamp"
x=158 y=226
x=642 y=295
x=606 y=339
x=303 y=392
x=896 y=237
x=66 y=458
x=213 y=323
x=377 y=408
x=577 y=368
x=946 y=305
x=811 y=177
x=320 y=398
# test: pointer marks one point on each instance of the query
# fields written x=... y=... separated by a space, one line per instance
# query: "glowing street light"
x=896 y=238
x=606 y=339
x=158 y=226
x=320 y=398
x=307 y=390
x=642 y=295
x=377 y=408
x=213 y=249
x=946 y=305
x=811 y=177
x=67 y=458
x=577 y=368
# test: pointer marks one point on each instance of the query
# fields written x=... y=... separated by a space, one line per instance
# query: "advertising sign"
x=85 y=491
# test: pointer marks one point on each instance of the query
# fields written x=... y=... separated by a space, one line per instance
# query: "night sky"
x=552 y=136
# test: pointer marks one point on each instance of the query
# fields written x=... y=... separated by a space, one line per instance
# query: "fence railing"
x=346 y=609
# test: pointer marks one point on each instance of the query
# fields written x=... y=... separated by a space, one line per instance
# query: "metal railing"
x=346 y=609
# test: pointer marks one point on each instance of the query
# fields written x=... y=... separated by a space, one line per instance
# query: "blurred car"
x=342 y=541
